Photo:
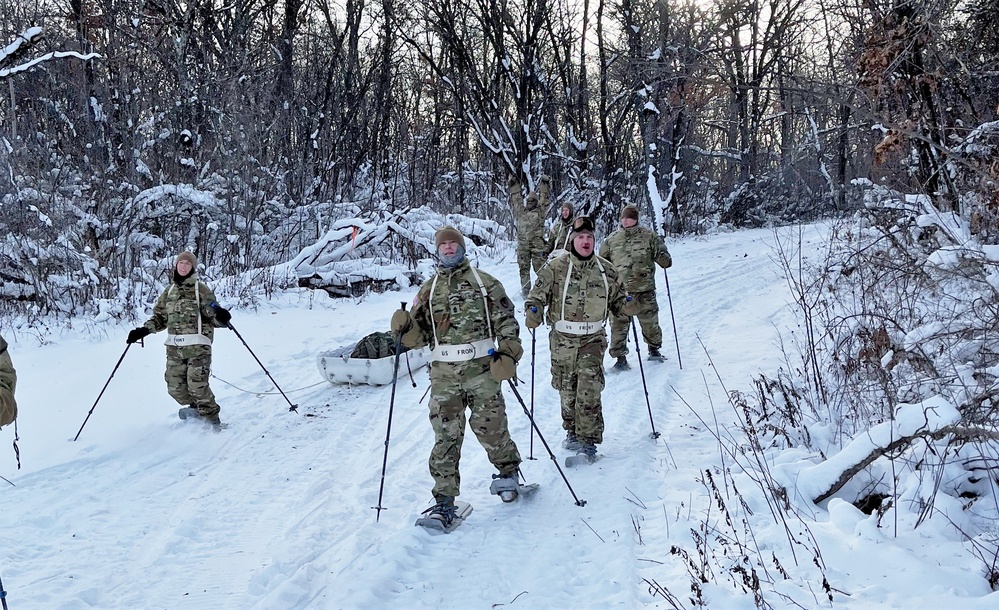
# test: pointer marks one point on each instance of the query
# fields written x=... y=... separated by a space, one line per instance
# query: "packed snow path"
x=146 y=511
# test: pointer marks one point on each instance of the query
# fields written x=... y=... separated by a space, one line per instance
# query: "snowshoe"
x=621 y=364
x=655 y=356
x=587 y=454
x=445 y=516
x=508 y=488
x=192 y=413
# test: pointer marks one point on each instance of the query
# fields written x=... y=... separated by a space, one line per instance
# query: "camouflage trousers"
x=578 y=375
x=455 y=387
x=187 y=371
x=648 y=319
x=530 y=252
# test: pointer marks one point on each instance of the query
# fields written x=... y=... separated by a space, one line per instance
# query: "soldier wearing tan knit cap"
x=188 y=312
x=635 y=251
x=464 y=315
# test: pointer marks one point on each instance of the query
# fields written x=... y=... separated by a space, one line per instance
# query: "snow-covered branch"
x=28 y=38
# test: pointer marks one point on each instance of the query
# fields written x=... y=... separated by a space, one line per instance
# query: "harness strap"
x=485 y=304
x=565 y=288
x=197 y=302
x=462 y=352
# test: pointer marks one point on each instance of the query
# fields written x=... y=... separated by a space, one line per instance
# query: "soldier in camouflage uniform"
x=530 y=215
x=635 y=251
x=188 y=311
x=558 y=238
x=579 y=289
x=8 y=382
x=466 y=317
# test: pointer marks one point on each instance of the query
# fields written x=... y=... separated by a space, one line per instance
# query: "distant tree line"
x=236 y=127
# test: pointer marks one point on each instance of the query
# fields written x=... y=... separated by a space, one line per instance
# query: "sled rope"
x=232 y=385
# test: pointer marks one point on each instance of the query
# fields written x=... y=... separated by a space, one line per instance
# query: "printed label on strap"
x=462 y=352
x=182 y=340
x=579 y=328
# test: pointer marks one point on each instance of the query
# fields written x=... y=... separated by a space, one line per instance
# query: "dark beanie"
x=448 y=234
x=629 y=211
x=189 y=257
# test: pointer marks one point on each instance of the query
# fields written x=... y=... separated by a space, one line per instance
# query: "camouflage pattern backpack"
x=375 y=345
x=8 y=381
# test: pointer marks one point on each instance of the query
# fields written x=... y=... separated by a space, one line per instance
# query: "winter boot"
x=443 y=511
x=587 y=449
x=571 y=442
x=654 y=354
x=505 y=486
x=622 y=364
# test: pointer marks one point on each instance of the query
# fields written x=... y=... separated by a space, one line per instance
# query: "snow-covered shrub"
x=383 y=250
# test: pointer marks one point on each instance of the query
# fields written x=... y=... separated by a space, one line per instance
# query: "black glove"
x=222 y=315
x=137 y=334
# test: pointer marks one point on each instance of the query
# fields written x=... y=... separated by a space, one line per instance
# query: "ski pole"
x=292 y=407
x=534 y=425
x=531 y=456
x=673 y=320
x=91 y=412
x=3 y=595
x=641 y=367
x=388 y=428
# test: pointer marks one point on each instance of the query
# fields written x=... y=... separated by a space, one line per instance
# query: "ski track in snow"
x=276 y=510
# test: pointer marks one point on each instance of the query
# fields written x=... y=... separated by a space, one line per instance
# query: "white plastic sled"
x=336 y=366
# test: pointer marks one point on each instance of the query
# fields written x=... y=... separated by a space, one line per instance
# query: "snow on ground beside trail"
x=146 y=511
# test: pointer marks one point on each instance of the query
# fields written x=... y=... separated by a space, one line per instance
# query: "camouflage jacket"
x=456 y=312
x=8 y=382
x=587 y=298
x=178 y=312
x=558 y=238
x=634 y=252
x=530 y=221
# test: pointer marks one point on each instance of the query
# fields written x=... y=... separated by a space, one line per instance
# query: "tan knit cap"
x=189 y=257
x=444 y=234
x=629 y=211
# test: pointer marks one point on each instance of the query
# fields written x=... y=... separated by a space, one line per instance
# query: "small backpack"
x=375 y=345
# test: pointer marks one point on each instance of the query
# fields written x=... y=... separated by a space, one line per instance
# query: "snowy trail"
x=275 y=511
x=145 y=511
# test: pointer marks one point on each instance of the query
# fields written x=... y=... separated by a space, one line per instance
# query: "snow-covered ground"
x=146 y=511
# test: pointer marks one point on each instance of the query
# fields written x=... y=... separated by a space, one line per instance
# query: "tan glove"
x=401 y=322
x=502 y=367
x=535 y=315
x=545 y=188
x=664 y=260
x=631 y=306
x=512 y=348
